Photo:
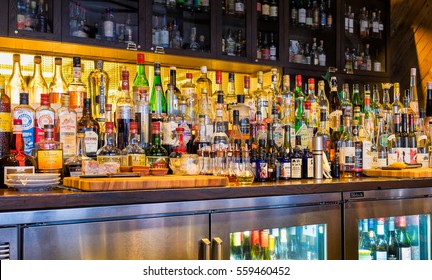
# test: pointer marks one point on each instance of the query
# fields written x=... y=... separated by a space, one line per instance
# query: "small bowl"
x=159 y=171
x=188 y=164
x=143 y=170
x=125 y=168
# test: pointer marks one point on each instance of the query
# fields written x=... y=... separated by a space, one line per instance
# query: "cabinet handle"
x=217 y=249
x=205 y=247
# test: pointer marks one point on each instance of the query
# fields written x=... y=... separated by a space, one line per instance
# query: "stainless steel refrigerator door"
x=377 y=204
x=9 y=243
x=222 y=224
x=171 y=237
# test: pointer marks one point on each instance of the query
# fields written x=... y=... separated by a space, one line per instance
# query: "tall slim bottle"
x=58 y=85
x=157 y=81
x=66 y=127
x=124 y=113
x=176 y=91
x=414 y=104
x=203 y=82
x=26 y=113
x=91 y=129
x=77 y=89
x=16 y=84
x=262 y=98
x=37 y=84
x=347 y=150
x=98 y=82
x=5 y=120
x=141 y=98
x=169 y=123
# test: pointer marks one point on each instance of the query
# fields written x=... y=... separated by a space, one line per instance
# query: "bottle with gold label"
x=134 y=153
x=49 y=153
x=66 y=127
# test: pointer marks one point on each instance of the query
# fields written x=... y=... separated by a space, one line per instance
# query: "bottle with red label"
x=44 y=115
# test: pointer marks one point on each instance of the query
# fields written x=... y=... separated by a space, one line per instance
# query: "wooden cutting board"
x=145 y=182
x=404 y=173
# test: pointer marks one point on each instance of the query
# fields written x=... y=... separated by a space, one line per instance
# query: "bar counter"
x=61 y=198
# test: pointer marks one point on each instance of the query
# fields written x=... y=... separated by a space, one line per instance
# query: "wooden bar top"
x=11 y=200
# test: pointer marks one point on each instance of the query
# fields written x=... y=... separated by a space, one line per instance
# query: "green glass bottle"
x=157 y=156
x=155 y=98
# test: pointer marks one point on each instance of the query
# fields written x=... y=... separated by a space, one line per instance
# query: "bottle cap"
x=37 y=59
x=413 y=71
x=58 y=61
x=24 y=98
x=109 y=126
x=179 y=129
x=218 y=77
x=99 y=64
x=44 y=99
x=298 y=80
x=140 y=58
x=133 y=126
x=204 y=69
x=188 y=75
x=17 y=121
x=173 y=68
x=231 y=77
x=108 y=107
x=76 y=61
x=240 y=98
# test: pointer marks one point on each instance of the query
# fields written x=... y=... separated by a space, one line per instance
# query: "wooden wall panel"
x=411 y=42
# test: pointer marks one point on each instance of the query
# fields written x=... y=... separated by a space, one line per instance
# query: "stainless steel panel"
x=222 y=224
x=388 y=194
x=355 y=210
x=148 y=210
x=176 y=237
x=9 y=243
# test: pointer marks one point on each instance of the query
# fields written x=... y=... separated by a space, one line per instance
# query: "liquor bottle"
x=370 y=117
x=244 y=117
x=307 y=164
x=346 y=105
x=169 y=123
x=414 y=104
x=236 y=252
x=347 y=150
x=403 y=240
x=77 y=89
x=140 y=86
x=249 y=99
x=203 y=82
x=294 y=12
x=15 y=157
x=335 y=144
x=324 y=133
x=142 y=102
x=98 y=82
x=262 y=97
x=58 y=85
x=109 y=117
x=315 y=15
x=300 y=125
x=296 y=163
x=272 y=48
x=5 y=120
x=376 y=105
x=298 y=89
x=323 y=102
x=26 y=113
x=413 y=232
x=334 y=101
x=153 y=97
x=264 y=241
x=37 y=84
x=277 y=129
x=73 y=166
x=230 y=97
x=239 y=8
x=428 y=106
x=109 y=157
x=124 y=112
x=261 y=165
x=313 y=120
x=246 y=174
x=392 y=243
x=273 y=12
x=381 y=143
x=356 y=98
x=44 y=115
x=288 y=106
x=412 y=142
x=397 y=106
x=49 y=153
x=42 y=20
x=366 y=249
x=256 y=251
x=265 y=9
x=91 y=129
x=265 y=50
x=134 y=153
x=157 y=156
x=176 y=95
x=220 y=137
x=404 y=131
x=358 y=146
x=16 y=83
x=109 y=25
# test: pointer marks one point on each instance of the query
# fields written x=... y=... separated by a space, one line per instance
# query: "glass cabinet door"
x=181 y=25
x=287 y=243
x=312 y=33
x=35 y=19
x=365 y=37
x=394 y=238
x=105 y=23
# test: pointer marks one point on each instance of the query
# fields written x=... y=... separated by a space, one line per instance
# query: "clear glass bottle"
x=109 y=157
x=124 y=112
x=44 y=115
x=58 y=85
x=203 y=82
x=98 y=82
x=37 y=84
x=73 y=166
x=414 y=103
x=397 y=104
x=77 y=90
x=109 y=25
x=358 y=149
x=16 y=83
x=134 y=153
x=262 y=97
x=347 y=150
x=26 y=113
x=176 y=92
x=15 y=157
x=220 y=136
x=230 y=97
x=169 y=123
x=49 y=153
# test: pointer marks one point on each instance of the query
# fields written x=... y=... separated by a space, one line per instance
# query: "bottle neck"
x=156 y=137
x=110 y=138
x=17 y=143
x=81 y=150
x=77 y=74
x=16 y=71
x=133 y=139
x=58 y=73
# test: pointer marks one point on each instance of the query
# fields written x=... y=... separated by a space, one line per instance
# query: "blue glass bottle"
x=296 y=163
x=307 y=165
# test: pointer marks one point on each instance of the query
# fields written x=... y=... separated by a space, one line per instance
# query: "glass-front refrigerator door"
x=388 y=225
x=279 y=228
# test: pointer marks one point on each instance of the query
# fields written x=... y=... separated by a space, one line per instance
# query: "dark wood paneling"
x=411 y=40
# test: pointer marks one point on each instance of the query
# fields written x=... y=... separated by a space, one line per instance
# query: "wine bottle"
x=236 y=246
x=381 y=243
x=16 y=158
x=157 y=156
x=124 y=112
x=5 y=120
x=404 y=242
x=393 y=245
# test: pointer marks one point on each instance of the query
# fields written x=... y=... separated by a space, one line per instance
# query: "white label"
x=265 y=10
x=381 y=255
x=91 y=141
x=273 y=11
x=302 y=15
x=381 y=27
x=415 y=252
x=423 y=159
x=391 y=157
x=322 y=59
x=68 y=128
x=405 y=253
x=310 y=168
x=296 y=168
x=367 y=159
x=285 y=170
x=351 y=25
x=239 y=7
x=109 y=28
x=169 y=133
x=382 y=162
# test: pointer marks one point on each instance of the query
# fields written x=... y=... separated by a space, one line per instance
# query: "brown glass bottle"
x=5 y=120
x=91 y=129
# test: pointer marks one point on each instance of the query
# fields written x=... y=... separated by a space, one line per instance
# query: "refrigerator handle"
x=205 y=249
x=217 y=249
